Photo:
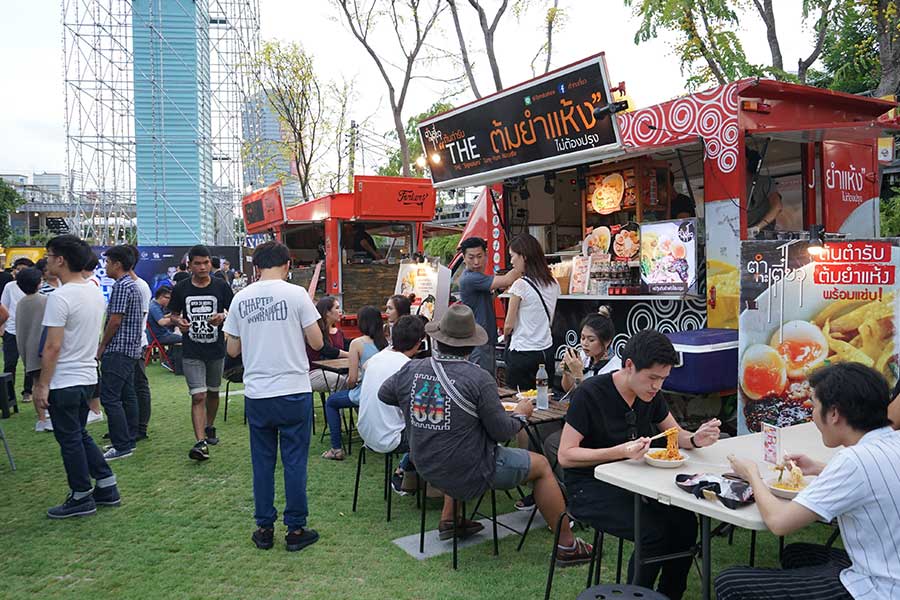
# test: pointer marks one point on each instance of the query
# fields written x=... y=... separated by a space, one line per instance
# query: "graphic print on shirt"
x=429 y=408
x=256 y=310
x=199 y=309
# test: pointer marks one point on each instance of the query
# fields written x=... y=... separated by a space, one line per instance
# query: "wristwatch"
x=522 y=419
x=693 y=443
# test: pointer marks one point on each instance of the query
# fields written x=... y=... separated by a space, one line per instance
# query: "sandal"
x=569 y=557
x=525 y=503
x=334 y=454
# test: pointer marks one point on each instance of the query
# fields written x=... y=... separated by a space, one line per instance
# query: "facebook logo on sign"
x=562 y=88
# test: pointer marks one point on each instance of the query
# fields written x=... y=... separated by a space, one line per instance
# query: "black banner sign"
x=546 y=123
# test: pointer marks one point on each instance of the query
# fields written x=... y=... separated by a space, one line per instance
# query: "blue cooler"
x=708 y=361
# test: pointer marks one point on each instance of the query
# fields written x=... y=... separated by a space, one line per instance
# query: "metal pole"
x=354 y=128
x=707 y=558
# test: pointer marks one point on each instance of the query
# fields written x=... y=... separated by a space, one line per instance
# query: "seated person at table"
x=370 y=343
x=161 y=324
x=859 y=487
x=456 y=423
x=597 y=333
x=382 y=426
x=611 y=418
x=335 y=346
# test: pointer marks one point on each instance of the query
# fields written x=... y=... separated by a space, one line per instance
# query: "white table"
x=659 y=484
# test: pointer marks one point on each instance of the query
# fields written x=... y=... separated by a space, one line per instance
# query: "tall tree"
x=553 y=20
x=411 y=22
x=709 y=47
x=10 y=200
x=287 y=78
x=886 y=16
x=488 y=30
x=394 y=166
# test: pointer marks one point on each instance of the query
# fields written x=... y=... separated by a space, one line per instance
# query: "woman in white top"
x=597 y=333
x=529 y=317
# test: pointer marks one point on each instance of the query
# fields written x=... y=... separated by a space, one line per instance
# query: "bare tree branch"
x=767 y=13
x=464 y=52
x=803 y=65
x=488 y=32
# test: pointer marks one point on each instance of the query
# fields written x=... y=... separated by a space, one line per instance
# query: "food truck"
x=645 y=210
x=325 y=235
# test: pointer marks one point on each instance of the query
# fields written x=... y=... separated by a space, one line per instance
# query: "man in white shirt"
x=8 y=301
x=381 y=425
x=73 y=318
x=268 y=325
x=859 y=487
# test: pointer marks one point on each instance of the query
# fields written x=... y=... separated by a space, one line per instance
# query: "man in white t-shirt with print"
x=381 y=425
x=859 y=487
x=73 y=318
x=268 y=325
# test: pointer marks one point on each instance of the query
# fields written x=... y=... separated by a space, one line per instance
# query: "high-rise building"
x=265 y=163
x=172 y=122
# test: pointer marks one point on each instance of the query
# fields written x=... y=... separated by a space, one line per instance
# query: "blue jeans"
x=336 y=401
x=118 y=397
x=82 y=458
x=288 y=420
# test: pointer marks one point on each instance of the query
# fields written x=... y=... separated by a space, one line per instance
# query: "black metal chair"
x=234 y=374
x=388 y=471
x=9 y=455
x=593 y=576
x=5 y=401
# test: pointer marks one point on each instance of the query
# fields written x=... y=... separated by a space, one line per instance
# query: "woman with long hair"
x=597 y=333
x=529 y=316
x=370 y=343
x=329 y=316
x=395 y=307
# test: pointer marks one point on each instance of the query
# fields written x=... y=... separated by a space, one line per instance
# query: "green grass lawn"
x=183 y=530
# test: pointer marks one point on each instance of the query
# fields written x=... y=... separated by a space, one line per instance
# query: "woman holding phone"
x=597 y=333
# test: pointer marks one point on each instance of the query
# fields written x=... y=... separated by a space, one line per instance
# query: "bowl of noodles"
x=787 y=489
x=669 y=457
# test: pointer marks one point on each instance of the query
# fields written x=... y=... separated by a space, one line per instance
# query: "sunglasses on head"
x=631 y=421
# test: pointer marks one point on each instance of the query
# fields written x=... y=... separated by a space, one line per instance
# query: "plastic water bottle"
x=543 y=394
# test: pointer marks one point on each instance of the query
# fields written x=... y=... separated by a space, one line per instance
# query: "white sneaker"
x=48 y=425
x=43 y=425
x=94 y=417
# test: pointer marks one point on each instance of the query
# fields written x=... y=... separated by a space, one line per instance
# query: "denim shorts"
x=203 y=375
x=512 y=466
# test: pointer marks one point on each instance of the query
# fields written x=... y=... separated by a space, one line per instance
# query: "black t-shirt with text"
x=599 y=413
x=196 y=304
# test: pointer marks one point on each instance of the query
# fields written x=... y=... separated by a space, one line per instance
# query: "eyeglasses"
x=631 y=421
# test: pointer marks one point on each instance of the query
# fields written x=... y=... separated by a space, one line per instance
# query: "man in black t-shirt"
x=198 y=306
x=611 y=418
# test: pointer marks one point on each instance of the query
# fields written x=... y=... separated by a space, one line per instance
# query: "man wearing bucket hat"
x=456 y=422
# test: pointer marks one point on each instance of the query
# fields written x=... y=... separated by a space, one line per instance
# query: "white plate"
x=786 y=494
x=664 y=464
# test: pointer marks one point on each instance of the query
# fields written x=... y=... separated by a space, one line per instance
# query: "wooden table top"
x=335 y=365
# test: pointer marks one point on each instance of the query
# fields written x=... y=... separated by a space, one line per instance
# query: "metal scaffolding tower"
x=102 y=141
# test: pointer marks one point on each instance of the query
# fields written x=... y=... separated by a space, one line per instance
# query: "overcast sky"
x=32 y=136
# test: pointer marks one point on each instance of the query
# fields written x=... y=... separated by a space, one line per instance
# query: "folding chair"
x=155 y=345
x=233 y=374
x=12 y=463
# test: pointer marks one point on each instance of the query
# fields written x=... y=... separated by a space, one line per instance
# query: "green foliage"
x=890 y=215
x=442 y=247
x=394 y=166
x=10 y=200
x=850 y=54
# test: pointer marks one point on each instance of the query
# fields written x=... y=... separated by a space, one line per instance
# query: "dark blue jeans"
x=82 y=458
x=286 y=420
x=118 y=397
x=336 y=401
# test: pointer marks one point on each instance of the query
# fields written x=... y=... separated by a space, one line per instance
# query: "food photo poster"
x=802 y=310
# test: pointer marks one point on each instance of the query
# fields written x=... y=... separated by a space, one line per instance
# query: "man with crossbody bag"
x=529 y=317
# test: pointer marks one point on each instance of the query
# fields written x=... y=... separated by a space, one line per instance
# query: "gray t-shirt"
x=475 y=292
x=30 y=311
x=454 y=445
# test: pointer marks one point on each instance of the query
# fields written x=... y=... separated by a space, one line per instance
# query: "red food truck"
x=351 y=243
x=645 y=210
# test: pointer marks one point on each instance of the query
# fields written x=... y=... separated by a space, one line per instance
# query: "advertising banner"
x=850 y=190
x=723 y=232
x=800 y=312
x=158 y=264
x=669 y=256
x=430 y=282
x=545 y=123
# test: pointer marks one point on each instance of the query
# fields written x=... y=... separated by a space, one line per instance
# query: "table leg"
x=706 y=569
x=637 y=539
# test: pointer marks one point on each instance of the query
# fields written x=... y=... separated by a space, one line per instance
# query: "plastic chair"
x=619 y=591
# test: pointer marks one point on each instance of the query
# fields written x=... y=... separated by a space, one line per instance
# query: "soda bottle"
x=543 y=394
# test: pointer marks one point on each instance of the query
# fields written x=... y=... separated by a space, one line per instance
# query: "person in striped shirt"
x=859 y=487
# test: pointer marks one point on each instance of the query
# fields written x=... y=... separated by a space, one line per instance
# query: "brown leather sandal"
x=334 y=454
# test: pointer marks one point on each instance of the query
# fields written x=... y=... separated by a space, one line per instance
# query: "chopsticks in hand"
x=668 y=431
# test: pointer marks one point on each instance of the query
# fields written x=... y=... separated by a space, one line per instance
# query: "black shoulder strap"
x=541 y=298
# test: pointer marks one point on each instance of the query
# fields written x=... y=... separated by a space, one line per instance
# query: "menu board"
x=430 y=282
x=620 y=242
x=669 y=256
x=800 y=312
x=610 y=192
